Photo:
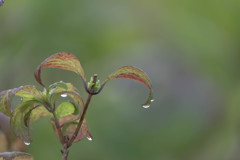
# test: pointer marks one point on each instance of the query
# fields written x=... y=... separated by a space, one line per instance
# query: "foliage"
x=67 y=118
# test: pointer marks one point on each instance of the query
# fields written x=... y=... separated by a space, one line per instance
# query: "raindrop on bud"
x=152 y=100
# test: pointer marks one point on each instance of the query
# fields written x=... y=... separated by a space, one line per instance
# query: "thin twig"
x=58 y=128
x=90 y=94
x=80 y=122
x=63 y=141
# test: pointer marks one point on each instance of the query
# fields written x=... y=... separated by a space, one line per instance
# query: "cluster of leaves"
x=36 y=104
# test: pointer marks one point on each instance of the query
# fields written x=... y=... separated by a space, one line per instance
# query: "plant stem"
x=80 y=122
x=58 y=128
x=66 y=143
x=90 y=94
x=64 y=151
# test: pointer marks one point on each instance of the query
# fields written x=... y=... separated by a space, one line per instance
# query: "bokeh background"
x=189 y=49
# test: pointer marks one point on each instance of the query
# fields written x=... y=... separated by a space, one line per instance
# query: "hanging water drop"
x=89 y=138
x=146 y=106
x=63 y=95
x=152 y=100
x=27 y=143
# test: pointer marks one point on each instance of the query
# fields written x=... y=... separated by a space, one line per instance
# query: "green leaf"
x=63 y=60
x=27 y=92
x=16 y=156
x=130 y=72
x=17 y=121
x=64 y=109
x=69 y=124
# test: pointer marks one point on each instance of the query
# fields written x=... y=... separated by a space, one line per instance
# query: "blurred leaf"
x=1 y=2
x=69 y=124
x=130 y=72
x=6 y=97
x=64 y=109
x=17 y=121
x=16 y=156
x=63 y=60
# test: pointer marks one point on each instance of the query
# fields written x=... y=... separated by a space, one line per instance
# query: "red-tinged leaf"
x=23 y=91
x=17 y=121
x=63 y=60
x=69 y=125
x=130 y=72
x=15 y=156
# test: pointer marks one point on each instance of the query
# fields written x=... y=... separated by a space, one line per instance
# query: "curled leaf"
x=63 y=60
x=5 y=101
x=17 y=121
x=35 y=114
x=71 y=91
x=130 y=72
x=69 y=124
x=56 y=85
x=16 y=156
x=23 y=91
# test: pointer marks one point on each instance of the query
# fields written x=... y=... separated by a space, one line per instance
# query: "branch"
x=62 y=140
x=90 y=94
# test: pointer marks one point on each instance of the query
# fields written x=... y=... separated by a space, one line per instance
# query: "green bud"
x=97 y=85
x=90 y=83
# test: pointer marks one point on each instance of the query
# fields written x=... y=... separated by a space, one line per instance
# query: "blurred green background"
x=189 y=49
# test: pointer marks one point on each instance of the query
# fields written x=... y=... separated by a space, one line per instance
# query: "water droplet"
x=27 y=143
x=89 y=138
x=152 y=100
x=146 y=106
x=63 y=95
